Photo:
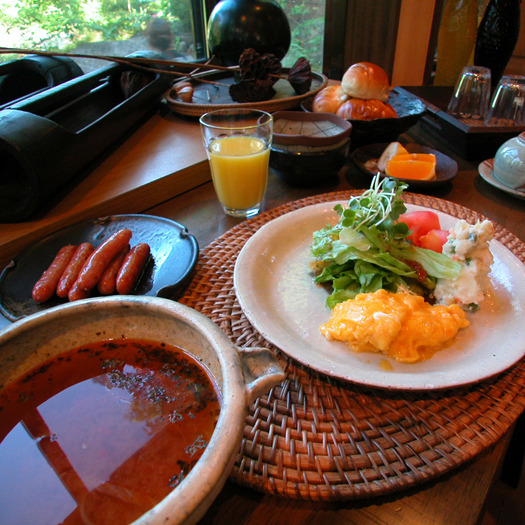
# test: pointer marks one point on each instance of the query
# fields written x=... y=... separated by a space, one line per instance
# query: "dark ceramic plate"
x=174 y=253
x=366 y=157
x=409 y=109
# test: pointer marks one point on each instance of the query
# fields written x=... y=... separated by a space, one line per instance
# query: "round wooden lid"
x=309 y=129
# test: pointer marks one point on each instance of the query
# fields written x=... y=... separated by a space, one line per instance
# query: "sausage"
x=132 y=267
x=108 y=282
x=76 y=263
x=99 y=260
x=75 y=292
x=46 y=286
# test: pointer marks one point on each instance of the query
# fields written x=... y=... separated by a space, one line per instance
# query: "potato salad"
x=469 y=245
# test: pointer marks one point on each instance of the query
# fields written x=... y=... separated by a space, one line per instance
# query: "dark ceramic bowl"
x=309 y=148
x=408 y=107
x=308 y=167
x=365 y=159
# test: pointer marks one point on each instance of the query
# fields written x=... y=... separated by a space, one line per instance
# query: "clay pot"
x=241 y=375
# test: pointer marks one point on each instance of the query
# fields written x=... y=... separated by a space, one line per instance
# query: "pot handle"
x=262 y=371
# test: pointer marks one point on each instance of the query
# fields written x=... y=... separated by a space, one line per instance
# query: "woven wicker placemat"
x=318 y=438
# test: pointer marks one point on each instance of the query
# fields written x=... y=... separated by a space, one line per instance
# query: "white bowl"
x=509 y=162
x=241 y=374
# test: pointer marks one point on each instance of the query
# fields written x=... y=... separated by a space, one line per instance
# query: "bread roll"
x=366 y=81
x=359 y=109
x=329 y=99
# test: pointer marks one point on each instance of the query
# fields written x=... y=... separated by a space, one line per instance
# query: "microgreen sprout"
x=380 y=203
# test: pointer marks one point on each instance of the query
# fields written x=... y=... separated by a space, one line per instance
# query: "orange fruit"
x=427 y=157
x=416 y=166
x=411 y=168
x=393 y=149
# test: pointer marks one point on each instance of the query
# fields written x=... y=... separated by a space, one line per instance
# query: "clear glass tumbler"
x=238 y=143
x=507 y=106
x=471 y=95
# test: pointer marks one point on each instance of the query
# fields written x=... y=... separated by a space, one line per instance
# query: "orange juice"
x=239 y=168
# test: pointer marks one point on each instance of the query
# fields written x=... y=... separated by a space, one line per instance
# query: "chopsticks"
x=136 y=62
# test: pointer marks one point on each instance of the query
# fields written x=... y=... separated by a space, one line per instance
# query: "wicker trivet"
x=318 y=438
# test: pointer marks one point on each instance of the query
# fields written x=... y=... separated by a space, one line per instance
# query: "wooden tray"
x=470 y=139
x=211 y=96
x=316 y=438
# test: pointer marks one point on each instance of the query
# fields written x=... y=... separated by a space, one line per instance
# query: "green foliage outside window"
x=306 y=20
x=63 y=25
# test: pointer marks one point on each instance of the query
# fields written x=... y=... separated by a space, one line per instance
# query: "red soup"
x=102 y=433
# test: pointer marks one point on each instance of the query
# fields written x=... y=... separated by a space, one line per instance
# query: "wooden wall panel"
x=360 y=30
x=416 y=42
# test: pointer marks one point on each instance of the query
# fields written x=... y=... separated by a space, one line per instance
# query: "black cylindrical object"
x=34 y=73
x=49 y=138
x=497 y=36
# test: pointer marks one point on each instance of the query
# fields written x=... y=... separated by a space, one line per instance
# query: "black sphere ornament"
x=236 y=25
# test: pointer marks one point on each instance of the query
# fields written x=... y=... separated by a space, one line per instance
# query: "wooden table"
x=161 y=170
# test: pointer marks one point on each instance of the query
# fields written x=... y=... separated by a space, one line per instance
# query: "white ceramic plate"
x=486 y=170
x=279 y=297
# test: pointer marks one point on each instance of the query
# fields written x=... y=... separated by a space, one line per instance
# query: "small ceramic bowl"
x=509 y=163
x=241 y=375
x=309 y=148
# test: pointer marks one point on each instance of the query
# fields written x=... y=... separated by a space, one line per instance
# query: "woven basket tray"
x=317 y=438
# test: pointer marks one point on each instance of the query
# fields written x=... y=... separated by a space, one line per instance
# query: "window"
x=175 y=28
x=100 y=27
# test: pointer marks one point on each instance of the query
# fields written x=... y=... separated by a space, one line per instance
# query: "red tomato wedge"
x=434 y=240
x=420 y=223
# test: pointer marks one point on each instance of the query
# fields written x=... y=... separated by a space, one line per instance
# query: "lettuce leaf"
x=369 y=250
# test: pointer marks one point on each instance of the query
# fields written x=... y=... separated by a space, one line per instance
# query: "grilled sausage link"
x=108 y=282
x=100 y=259
x=72 y=271
x=46 y=286
x=132 y=268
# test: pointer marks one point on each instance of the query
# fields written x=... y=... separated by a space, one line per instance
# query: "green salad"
x=368 y=248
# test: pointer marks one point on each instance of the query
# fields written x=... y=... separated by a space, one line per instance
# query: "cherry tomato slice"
x=434 y=240
x=420 y=223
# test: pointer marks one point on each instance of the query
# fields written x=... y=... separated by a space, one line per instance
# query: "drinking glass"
x=471 y=94
x=238 y=143
x=507 y=106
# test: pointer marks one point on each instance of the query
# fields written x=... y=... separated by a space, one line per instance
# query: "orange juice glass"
x=238 y=143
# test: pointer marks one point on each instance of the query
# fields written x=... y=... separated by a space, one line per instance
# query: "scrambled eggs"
x=402 y=326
